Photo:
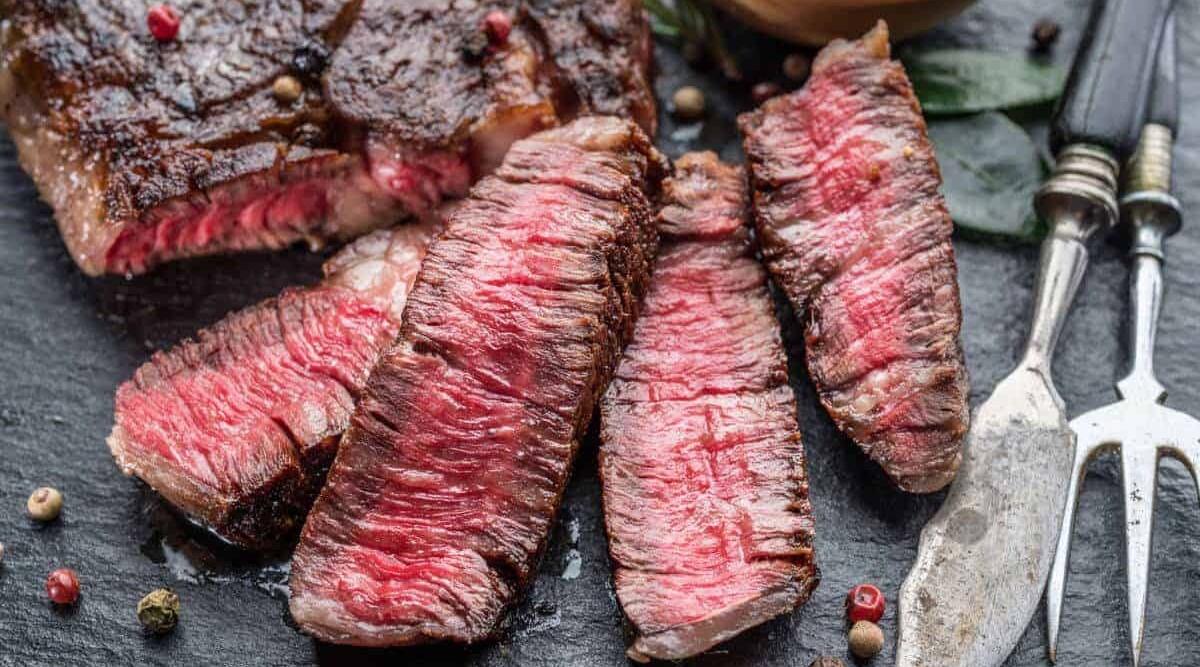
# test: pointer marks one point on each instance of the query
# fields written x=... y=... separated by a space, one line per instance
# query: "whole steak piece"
x=446 y=485
x=854 y=230
x=150 y=151
x=705 y=496
x=237 y=427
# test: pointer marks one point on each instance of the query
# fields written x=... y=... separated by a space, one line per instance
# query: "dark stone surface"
x=67 y=341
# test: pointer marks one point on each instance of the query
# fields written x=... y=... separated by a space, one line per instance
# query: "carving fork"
x=1138 y=426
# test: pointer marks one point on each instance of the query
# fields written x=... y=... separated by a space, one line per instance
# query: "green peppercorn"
x=866 y=640
x=159 y=610
x=688 y=102
x=44 y=504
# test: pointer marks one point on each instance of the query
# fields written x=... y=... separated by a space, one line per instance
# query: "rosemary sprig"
x=694 y=22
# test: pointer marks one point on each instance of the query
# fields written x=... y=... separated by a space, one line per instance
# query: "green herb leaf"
x=991 y=168
x=954 y=81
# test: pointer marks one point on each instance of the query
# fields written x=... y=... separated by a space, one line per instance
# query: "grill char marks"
x=705 y=496
x=446 y=485
x=855 y=232
x=237 y=427
x=149 y=152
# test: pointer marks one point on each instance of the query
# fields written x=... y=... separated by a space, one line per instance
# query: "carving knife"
x=984 y=558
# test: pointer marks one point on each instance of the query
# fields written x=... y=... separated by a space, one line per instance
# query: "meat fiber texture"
x=237 y=427
x=445 y=487
x=151 y=151
x=705 y=496
x=854 y=230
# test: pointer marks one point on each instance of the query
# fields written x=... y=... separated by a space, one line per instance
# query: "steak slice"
x=447 y=482
x=854 y=230
x=153 y=151
x=238 y=427
x=705 y=497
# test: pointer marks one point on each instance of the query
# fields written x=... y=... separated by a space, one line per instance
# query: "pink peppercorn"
x=163 y=22
x=62 y=586
x=497 y=24
x=865 y=603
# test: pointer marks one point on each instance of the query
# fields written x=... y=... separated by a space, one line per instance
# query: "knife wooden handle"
x=1105 y=97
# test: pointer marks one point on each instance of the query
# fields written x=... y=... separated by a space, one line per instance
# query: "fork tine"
x=1056 y=587
x=1139 y=469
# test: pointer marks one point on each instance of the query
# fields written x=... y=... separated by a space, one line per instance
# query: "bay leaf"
x=991 y=169
x=955 y=81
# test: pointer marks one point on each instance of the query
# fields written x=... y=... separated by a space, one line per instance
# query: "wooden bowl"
x=815 y=22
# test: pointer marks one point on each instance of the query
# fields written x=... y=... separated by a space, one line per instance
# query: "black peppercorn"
x=310 y=59
x=1045 y=33
x=475 y=46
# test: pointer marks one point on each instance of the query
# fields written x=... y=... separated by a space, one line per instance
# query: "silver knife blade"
x=985 y=556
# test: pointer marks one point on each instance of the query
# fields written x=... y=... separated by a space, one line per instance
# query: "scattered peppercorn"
x=44 y=504
x=163 y=22
x=287 y=89
x=497 y=24
x=159 y=610
x=688 y=102
x=474 y=46
x=62 y=586
x=827 y=661
x=796 y=66
x=1 y=553
x=310 y=59
x=1045 y=34
x=765 y=90
x=866 y=640
x=865 y=603
x=693 y=52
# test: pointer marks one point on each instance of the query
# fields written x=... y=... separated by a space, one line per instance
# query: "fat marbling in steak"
x=150 y=151
x=705 y=497
x=854 y=230
x=237 y=427
x=446 y=485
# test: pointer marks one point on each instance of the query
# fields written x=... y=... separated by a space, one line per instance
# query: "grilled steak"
x=152 y=151
x=237 y=427
x=705 y=496
x=447 y=482
x=855 y=232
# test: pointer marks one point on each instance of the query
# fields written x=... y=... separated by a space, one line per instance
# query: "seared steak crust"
x=854 y=230
x=237 y=427
x=705 y=496
x=445 y=487
x=151 y=151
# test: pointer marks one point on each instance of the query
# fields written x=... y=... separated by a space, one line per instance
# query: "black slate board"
x=66 y=341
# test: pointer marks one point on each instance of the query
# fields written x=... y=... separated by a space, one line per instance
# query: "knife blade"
x=983 y=559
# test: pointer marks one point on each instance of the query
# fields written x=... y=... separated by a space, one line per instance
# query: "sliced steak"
x=152 y=151
x=854 y=230
x=705 y=496
x=446 y=485
x=238 y=427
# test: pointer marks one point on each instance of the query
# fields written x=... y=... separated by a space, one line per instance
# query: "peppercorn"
x=474 y=46
x=1 y=553
x=693 y=52
x=1045 y=34
x=796 y=66
x=287 y=89
x=62 y=586
x=827 y=661
x=497 y=25
x=765 y=90
x=866 y=640
x=688 y=102
x=310 y=59
x=44 y=504
x=159 y=610
x=865 y=603
x=163 y=22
